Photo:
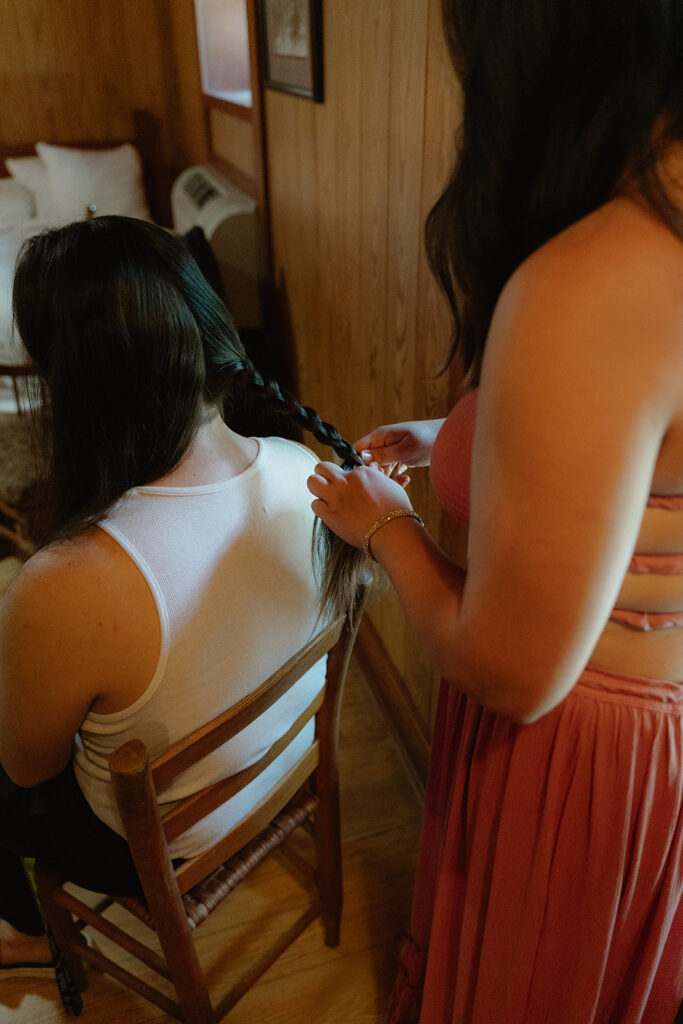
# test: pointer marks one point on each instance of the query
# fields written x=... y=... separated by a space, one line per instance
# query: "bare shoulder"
x=79 y=633
x=620 y=250
x=69 y=579
x=605 y=294
x=614 y=242
x=83 y=607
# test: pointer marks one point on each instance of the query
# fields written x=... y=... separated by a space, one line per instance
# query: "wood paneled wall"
x=351 y=181
x=75 y=70
x=232 y=141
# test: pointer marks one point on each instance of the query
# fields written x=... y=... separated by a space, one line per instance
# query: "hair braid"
x=339 y=566
x=285 y=404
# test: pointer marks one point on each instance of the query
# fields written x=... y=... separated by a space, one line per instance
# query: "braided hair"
x=282 y=403
x=130 y=344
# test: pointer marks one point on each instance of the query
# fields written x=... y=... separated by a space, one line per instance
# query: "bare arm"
x=78 y=631
x=577 y=393
x=44 y=695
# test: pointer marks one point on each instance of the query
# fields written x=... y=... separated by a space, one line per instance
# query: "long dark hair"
x=130 y=343
x=565 y=103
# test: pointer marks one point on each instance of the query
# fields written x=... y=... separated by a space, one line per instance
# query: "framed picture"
x=292 y=46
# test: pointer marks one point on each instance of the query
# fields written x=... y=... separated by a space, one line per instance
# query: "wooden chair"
x=16 y=372
x=18 y=471
x=177 y=900
x=15 y=532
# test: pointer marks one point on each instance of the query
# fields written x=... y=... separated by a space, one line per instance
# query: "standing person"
x=549 y=881
x=174 y=572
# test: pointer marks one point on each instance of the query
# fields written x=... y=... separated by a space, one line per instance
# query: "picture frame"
x=292 y=46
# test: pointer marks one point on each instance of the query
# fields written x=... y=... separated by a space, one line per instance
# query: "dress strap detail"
x=657 y=565
x=636 y=691
x=644 y=622
x=670 y=501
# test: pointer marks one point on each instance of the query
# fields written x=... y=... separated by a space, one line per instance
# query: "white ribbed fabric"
x=230 y=569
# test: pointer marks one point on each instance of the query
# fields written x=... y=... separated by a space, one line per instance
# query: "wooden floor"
x=310 y=984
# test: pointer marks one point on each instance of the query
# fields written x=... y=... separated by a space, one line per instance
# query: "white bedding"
x=11 y=349
x=57 y=185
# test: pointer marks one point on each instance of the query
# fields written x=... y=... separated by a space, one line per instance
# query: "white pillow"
x=31 y=172
x=16 y=203
x=108 y=179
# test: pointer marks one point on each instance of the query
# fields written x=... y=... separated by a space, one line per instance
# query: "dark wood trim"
x=395 y=701
x=236 y=109
x=259 y=122
x=157 y=175
x=236 y=176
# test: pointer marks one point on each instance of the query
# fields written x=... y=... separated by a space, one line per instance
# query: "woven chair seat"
x=203 y=898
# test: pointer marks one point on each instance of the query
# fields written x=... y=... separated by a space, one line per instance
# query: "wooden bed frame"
x=156 y=178
x=145 y=138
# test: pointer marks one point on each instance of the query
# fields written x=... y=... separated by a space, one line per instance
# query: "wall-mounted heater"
x=202 y=197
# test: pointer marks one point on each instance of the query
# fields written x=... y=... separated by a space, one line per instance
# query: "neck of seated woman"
x=216 y=454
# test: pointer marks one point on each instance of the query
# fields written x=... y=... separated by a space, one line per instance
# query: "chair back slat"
x=209 y=737
x=195 y=869
x=192 y=809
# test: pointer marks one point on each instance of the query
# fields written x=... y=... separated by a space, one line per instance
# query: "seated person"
x=174 y=572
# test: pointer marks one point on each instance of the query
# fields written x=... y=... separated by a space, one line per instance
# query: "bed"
x=46 y=184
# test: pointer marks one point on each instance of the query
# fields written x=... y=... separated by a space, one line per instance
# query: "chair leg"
x=327 y=832
x=186 y=974
x=61 y=924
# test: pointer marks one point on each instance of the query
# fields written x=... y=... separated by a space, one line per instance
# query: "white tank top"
x=229 y=566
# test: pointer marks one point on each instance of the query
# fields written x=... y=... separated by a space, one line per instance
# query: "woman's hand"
x=408 y=443
x=351 y=502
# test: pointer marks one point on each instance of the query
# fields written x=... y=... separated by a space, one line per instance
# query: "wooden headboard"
x=145 y=138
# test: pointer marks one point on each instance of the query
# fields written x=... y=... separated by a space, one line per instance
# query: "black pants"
x=54 y=823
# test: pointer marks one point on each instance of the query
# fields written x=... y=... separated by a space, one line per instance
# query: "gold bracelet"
x=398 y=513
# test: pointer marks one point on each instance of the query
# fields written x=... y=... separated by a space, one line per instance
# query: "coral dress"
x=550 y=875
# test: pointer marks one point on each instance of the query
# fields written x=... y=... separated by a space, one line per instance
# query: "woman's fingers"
x=316 y=486
x=325 y=475
x=329 y=471
x=377 y=456
x=373 y=461
x=410 y=442
x=382 y=446
x=319 y=508
x=364 y=442
x=349 y=503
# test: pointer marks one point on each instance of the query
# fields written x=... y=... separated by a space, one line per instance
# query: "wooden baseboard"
x=395 y=701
